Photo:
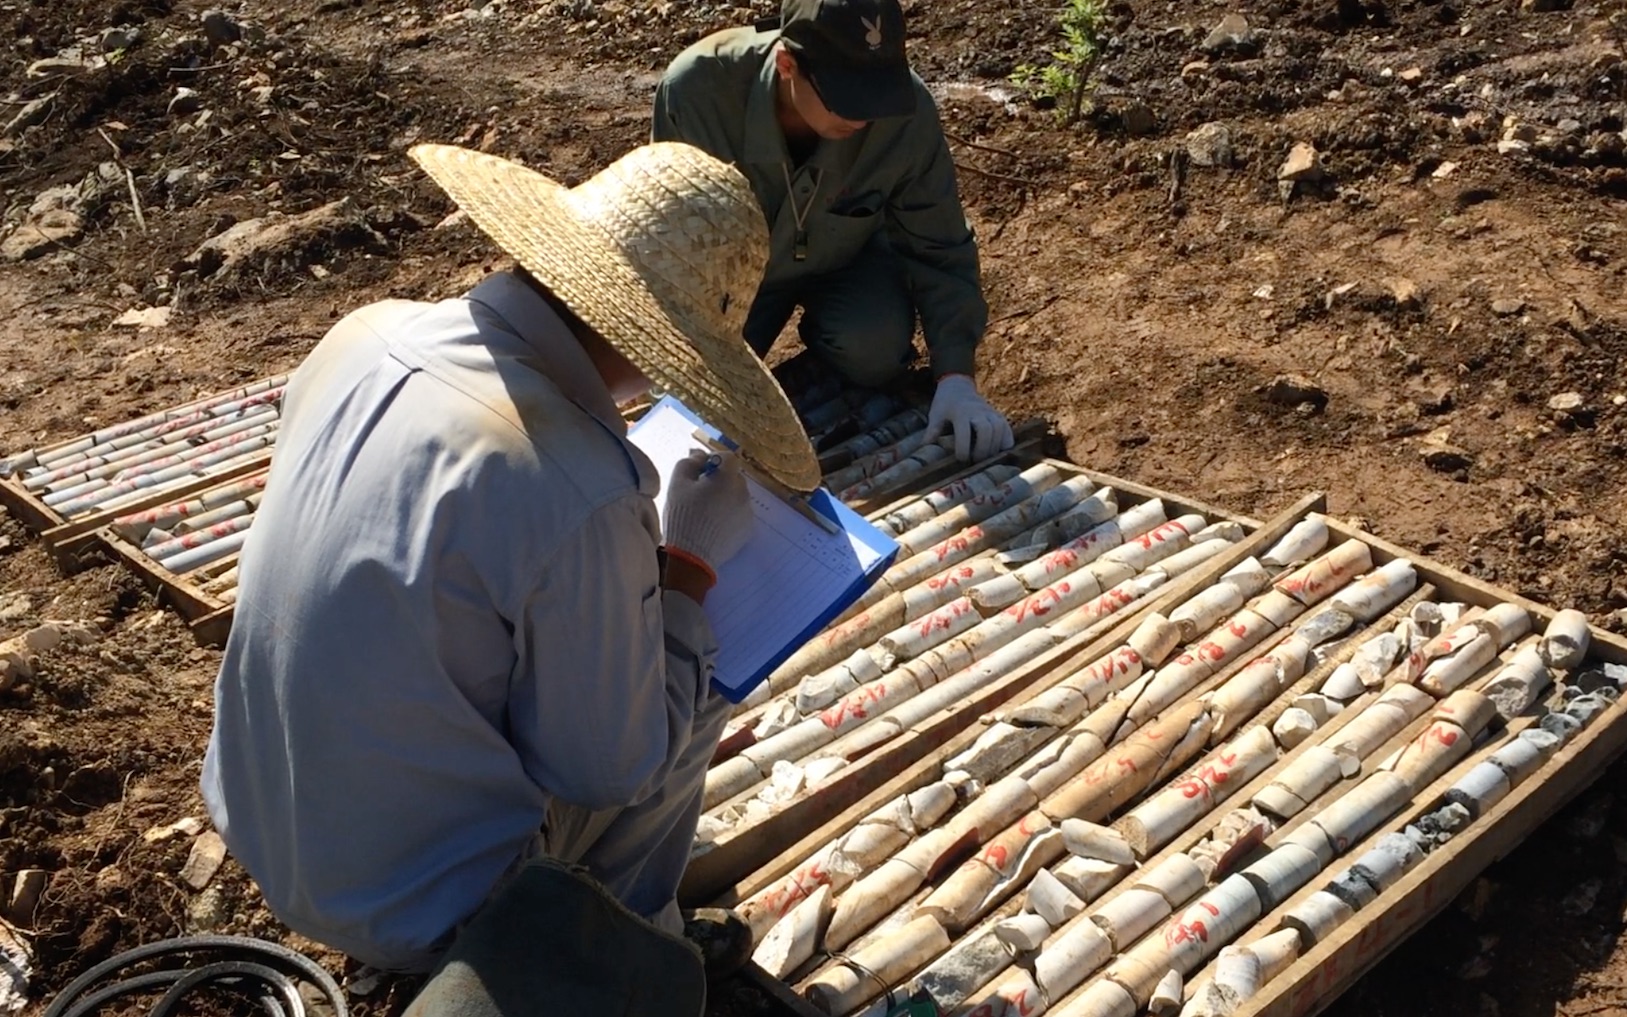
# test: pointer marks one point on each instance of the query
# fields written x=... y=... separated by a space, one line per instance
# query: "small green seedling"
x=1066 y=79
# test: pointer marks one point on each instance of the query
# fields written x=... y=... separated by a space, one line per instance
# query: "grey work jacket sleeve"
x=930 y=231
x=614 y=673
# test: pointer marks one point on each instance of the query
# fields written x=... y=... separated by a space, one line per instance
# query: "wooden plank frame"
x=69 y=540
x=1320 y=975
x=29 y=510
x=784 y=999
x=1241 y=795
x=212 y=629
x=1332 y=966
x=73 y=543
x=209 y=617
x=177 y=591
x=736 y=866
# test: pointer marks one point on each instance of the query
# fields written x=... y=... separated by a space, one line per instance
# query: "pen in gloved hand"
x=796 y=500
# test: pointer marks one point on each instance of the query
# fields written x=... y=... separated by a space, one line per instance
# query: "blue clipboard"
x=793 y=578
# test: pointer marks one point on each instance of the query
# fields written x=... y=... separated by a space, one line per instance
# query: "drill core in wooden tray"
x=1232 y=792
x=172 y=495
x=68 y=490
x=1087 y=748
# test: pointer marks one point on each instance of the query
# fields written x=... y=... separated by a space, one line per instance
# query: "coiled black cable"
x=266 y=972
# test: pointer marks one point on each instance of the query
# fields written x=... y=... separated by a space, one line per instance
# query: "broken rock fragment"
x=207 y=856
x=190 y=826
x=220 y=28
x=1210 y=145
x=1443 y=456
x=26 y=891
x=1232 y=35
x=185 y=101
x=19 y=655
x=41 y=234
x=1304 y=162
x=1294 y=390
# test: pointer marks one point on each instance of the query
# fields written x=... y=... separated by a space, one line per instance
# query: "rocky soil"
x=1372 y=247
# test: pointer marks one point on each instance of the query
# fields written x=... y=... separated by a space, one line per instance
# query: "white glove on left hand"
x=980 y=430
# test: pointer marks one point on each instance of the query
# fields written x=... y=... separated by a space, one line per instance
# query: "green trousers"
x=860 y=319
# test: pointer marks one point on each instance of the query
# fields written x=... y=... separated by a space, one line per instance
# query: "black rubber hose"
x=231 y=971
x=266 y=971
x=156 y=980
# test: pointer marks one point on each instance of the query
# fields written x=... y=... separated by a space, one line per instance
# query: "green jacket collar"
x=765 y=142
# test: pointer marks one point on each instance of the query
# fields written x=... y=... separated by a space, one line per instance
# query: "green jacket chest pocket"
x=848 y=224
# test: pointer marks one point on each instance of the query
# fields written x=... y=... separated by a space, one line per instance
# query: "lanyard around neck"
x=799 y=250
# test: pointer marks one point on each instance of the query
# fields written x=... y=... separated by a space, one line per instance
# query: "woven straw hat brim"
x=671 y=339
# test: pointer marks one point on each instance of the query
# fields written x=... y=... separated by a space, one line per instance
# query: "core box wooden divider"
x=750 y=853
x=208 y=616
x=73 y=543
x=1330 y=967
x=77 y=542
x=71 y=540
x=1334 y=964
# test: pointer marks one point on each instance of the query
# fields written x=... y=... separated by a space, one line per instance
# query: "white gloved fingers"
x=708 y=513
x=993 y=434
x=946 y=401
x=987 y=436
x=689 y=468
x=965 y=432
x=956 y=402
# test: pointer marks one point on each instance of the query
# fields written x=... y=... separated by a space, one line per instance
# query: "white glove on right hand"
x=708 y=515
x=979 y=429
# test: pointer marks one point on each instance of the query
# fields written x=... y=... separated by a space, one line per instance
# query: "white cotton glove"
x=980 y=429
x=708 y=518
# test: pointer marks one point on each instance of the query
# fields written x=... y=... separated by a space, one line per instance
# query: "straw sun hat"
x=660 y=253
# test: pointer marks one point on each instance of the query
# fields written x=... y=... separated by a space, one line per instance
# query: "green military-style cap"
x=853 y=50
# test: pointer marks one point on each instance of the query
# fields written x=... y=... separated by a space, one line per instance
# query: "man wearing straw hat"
x=843 y=147
x=465 y=647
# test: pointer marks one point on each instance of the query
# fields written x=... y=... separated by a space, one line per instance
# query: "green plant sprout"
x=1066 y=78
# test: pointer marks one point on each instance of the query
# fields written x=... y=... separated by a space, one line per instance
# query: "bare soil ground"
x=1452 y=310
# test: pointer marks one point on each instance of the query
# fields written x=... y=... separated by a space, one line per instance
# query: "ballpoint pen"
x=796 y=500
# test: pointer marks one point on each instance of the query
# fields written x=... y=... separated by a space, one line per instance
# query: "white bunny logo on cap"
x=872 y=34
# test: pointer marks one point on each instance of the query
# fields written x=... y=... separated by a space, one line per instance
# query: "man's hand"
x=980 y=430
x=708 y=513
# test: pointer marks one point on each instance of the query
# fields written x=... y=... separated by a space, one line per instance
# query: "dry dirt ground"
x=1451 y=307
